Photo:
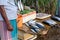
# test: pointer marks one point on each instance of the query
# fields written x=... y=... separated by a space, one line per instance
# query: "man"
x=8 y=15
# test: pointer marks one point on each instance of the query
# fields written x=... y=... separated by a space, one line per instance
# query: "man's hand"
x=10 y=28
x=3 y=13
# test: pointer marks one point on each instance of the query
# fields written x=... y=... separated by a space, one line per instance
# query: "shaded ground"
x=53 y=34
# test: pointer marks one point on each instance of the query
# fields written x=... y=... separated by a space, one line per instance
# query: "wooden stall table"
x=24 y=33
x=27 y=30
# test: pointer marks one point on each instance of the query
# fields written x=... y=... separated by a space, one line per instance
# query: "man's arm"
x=3 y=13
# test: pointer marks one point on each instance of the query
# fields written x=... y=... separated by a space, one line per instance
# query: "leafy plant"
x=44 y=6
x=26 y=11
x=53 y=6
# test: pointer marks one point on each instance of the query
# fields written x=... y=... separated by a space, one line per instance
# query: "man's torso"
x=11 y=10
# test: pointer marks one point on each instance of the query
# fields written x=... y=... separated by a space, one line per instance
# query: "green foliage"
x=53 y=5
x=26 y=11
x=44 y=6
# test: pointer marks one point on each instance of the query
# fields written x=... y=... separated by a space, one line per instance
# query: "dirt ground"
x=53 y=34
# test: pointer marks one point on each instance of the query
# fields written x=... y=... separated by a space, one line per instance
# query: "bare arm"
x=3 y=13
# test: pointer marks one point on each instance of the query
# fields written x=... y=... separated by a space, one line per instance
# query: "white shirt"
x=10 y=8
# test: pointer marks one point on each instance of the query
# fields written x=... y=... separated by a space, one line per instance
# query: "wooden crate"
x=25 y=36
x=29 y=16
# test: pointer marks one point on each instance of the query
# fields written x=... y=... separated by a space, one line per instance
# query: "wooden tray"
x=27 y=30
